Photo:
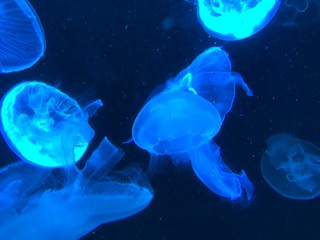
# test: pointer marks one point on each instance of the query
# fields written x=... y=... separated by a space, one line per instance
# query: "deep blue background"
x=118 y=51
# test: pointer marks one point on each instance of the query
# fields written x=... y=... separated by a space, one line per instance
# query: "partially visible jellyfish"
x=181 y=123
x=235 y=19
x=44 y=126
x=291 y=167
x=68 y=203
x=298 y=5
x=210 y=77
x=22 y=41
x=299 y=14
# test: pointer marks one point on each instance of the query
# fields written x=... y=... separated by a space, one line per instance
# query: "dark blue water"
x=119 y=51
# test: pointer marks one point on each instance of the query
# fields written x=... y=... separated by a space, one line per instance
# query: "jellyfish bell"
x=22 y=41
x=235 y=20
x=175 y=122
x=291 y=167
x=44 y=126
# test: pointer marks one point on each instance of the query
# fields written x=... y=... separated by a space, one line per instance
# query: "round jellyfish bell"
x=183 y=120
x=291 y=167
x=235 y=20
x=44 y=126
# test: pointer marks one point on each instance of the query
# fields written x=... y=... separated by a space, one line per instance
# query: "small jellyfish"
x=180 y=122
x=68 y=203
x=22 y=40
x=44 y=126
x=302 y=14
x=235 y=20
x=291 y=167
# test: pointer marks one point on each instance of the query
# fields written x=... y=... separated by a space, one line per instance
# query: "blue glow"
x=175 y=122
x=291 y=166
x=22 y=40
x=181 y=123
x=44 y=126
x=68 y=203
x=235 y=19
x=210 y=76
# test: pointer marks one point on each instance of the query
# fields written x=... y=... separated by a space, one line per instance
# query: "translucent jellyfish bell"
x=22 y=40
x=210 y=76
x=235 y=19
x=68 y=203
x=44 y=126
x=291 y=166
x=176 y=122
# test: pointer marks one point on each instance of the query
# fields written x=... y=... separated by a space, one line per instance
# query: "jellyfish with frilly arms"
x=46 y=192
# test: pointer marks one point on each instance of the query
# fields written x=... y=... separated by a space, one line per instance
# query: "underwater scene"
x=162 y=120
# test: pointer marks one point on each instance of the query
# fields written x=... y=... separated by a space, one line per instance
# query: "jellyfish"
x=235 y=19
x=182 y=120
x=182 y=124
x=210 y=76
x=300 y=14
x=22 y=41
x=291 y=167
x=67 y=202
x=44 y=126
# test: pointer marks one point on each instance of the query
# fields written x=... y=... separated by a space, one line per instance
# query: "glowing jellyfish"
x=181 y=123
x=291 y=166
x=68 y=203
x=22 y=40
x=235 y=19
x=210 y=77
x=44 y=126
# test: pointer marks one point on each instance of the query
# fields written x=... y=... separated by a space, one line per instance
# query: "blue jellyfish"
x=210 y=77
x=235 y=19
x=44 y=126
x=182 y=120
x=22 y=40
x=68 y=203
x=291 y=167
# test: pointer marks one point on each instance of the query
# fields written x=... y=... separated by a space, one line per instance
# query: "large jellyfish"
x=44 y=126
x=67 y=203
x=291 y=166
x=22 y=40
x=235 y=19
x=182 y=120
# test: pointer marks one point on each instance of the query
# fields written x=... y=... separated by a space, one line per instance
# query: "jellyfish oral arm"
x=217 y=176
x=103 y=159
